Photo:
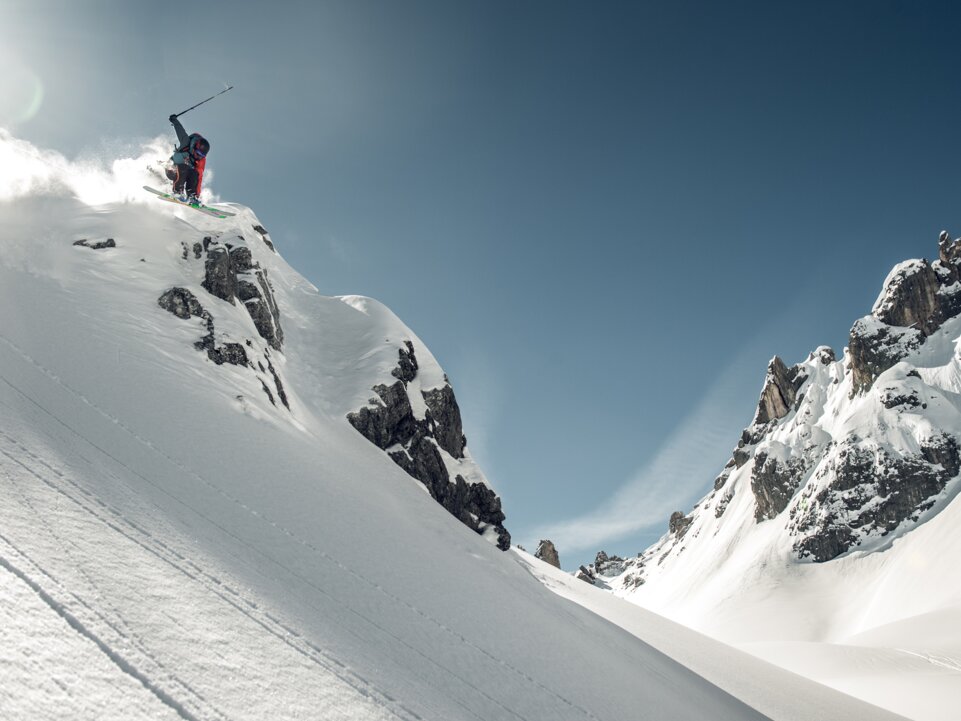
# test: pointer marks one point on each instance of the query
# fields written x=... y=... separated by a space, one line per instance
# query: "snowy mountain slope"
x=829 y=544
x=762 y=685
x=177 y=542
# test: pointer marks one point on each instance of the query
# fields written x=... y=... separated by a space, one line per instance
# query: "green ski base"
x=205 y=209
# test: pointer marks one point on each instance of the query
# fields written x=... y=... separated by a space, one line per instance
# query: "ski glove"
x=173 y=118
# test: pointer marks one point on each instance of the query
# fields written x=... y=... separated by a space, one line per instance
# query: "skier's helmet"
x=200 y=147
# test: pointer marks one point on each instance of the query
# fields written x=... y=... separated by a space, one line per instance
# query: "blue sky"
x=603 y=218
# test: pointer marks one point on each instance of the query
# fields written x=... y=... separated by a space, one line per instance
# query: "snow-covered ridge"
x=228 y=284
x=833 y=515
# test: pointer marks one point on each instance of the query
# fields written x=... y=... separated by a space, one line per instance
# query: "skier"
x=189 y=160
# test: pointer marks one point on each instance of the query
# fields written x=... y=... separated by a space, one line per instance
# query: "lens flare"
x=22 y=94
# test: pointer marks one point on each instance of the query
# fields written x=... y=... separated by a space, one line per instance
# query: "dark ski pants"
x=185 y=178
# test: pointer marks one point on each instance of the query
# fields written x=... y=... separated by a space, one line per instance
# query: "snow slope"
x=174 y=545
x=880 y=620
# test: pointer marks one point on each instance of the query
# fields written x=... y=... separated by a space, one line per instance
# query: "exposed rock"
x=585 y=574
x=267 y=391
x=232 y=353
x=874 y=347
x=774 y=482
x=547 y=553
x=265 y=236
x=96 y=244
x=723 y=503
x=779 y=393
x=388 y=422
x=917 y=298
x=893 y=398
x=407 y=367
x=387 y=419
x=910 y=298
x=608 y=566
x=873 y=492
x=281 y=393
x=679 y=523
x=445 y=420
x=229 y=273
x=182 y=303
x=220 y=279
x=721 y=480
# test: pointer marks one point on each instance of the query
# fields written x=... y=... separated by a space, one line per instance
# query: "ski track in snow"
x=117 y=522
x=110 y=517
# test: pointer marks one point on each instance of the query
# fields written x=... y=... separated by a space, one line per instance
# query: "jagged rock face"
x=779 y=396
x=840 y=455
x=229 y=272
x=388 y=421
x=220 y=277
x=445 y=419
x=774 y=482
x=407 y=367
x=679 y=523
x=874 y=347
x=609 y=566
x=184 y=304
x=910 y=298
x=779 y=393
x=257 y=297
x=871 y=491
x=918 y=297
x=548 y=553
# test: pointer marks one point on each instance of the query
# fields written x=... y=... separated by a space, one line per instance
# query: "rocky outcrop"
x=679 y=523
x=265 y=236
x=874 y=347
x=257 y=295
x=869 y=491
x=416 y=445
x=586 y=574
x=96 y=244
x=917 y=298
x=229 y=273
x=184 y=304
x=547 y=553
x=608 y=566
x=774 y=482
x=779 y=394
x=445 y=420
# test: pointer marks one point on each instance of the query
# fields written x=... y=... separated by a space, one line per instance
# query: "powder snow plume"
x=26 y=169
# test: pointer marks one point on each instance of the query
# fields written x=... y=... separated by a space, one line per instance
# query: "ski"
x=205 y=209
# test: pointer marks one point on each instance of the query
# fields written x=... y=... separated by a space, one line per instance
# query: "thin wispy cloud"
x=684 y=466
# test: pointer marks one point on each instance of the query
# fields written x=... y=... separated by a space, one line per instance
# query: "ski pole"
x=202 y=102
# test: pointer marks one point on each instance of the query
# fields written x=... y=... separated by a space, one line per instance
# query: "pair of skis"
x=205 y=209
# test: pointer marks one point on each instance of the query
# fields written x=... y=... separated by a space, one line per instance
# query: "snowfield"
x=176 y=545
